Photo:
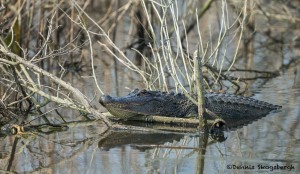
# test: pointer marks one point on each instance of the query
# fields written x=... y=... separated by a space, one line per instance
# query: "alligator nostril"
x=104 y=99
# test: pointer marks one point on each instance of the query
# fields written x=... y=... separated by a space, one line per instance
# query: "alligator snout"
x=105 y=99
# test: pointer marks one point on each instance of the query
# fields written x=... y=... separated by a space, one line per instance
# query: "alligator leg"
x=218 y=121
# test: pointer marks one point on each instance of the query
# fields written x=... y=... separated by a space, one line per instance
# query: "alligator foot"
x=218 y=121
x=218 y=124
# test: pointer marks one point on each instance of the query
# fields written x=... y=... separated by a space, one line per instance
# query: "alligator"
x=229 y=107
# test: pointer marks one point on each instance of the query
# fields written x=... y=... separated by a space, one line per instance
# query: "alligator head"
x=143 y=102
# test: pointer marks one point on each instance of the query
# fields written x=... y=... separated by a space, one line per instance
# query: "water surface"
x=88 y=148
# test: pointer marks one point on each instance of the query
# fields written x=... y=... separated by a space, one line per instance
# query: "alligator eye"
x=142 y=92
x=134 y=91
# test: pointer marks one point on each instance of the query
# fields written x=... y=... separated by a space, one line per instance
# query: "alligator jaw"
x=116 y=109
x=105 y=99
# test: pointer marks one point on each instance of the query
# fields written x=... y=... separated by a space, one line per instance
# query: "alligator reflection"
x=144 y=140
x=121 y=138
